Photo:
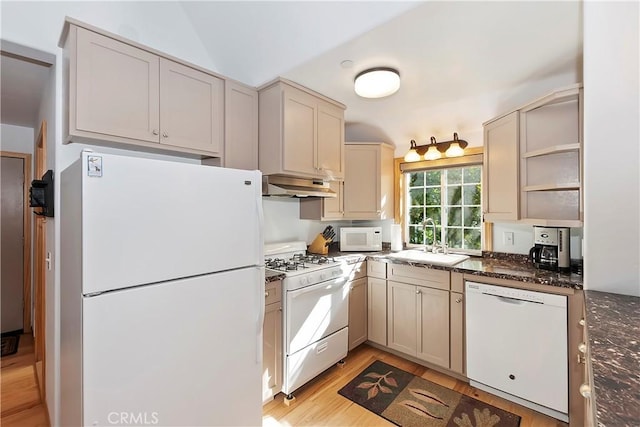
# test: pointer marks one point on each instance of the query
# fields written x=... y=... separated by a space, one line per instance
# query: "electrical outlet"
x=507 y=238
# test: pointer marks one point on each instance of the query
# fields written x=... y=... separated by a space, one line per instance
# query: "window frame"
x=475 y=158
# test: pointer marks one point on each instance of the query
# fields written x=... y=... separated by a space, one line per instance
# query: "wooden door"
x=362 y=181
x=117 y=89
x=433 y=325
x=500 y=182
x=357 y=312
x=376 y=309
x=191 y=108
x=402 y=317
x=240 y=126
x=40 y=268
x=13 y=239
x=330 y=150
x=299 y=139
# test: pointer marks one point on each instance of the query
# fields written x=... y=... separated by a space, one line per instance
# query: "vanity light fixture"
x=377 y=82
x=434 y=150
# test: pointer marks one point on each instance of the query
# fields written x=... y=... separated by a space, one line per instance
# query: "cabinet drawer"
x=273 y=292
x=377 y=269
x=419 y=276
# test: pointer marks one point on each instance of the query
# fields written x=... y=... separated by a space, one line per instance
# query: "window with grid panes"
x=452 y=198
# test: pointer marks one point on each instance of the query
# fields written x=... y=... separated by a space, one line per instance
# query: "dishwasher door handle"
x=510 y=300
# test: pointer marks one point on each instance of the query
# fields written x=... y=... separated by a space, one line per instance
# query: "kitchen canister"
x=396 y=237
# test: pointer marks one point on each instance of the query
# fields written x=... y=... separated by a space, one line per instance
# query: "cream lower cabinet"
x=119 y=93
x=358 y=306
x=377 y=310
x=377 y=302
x=418 y=322
x=272 y=342
x=418 y=301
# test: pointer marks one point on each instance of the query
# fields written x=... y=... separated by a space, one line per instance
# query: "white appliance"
x=162 y=284
x=517 y=346
x=353 y=239
x=315 y=312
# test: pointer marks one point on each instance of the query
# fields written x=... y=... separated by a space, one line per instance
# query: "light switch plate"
x=507 y=238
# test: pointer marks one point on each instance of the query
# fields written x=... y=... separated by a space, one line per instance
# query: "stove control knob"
x=304 y=280
x=323 y=276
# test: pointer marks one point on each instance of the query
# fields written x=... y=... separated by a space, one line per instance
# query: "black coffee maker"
x=551 y=248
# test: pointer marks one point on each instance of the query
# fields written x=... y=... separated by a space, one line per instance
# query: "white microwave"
x=354 y=239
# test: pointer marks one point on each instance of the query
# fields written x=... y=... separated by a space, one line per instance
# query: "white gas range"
x=315 y=311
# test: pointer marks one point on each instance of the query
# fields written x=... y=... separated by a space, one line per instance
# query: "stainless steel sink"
x=415 y=255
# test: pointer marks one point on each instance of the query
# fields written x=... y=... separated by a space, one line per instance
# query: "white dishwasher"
x=517 y=346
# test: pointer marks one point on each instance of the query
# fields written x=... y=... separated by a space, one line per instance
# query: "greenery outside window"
x=451 y=197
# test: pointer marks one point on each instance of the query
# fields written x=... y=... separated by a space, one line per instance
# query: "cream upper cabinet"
x=324 y=208
x=500 y=181
x=533 y=162
x=114 y=89
x=330 y=150
x=241 y=126
x=551 y=159
x=301 y=133
x=191 y=108
x=123 y=95
x=368 y=182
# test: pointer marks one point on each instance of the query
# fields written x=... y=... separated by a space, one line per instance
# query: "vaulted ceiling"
x=461 y=62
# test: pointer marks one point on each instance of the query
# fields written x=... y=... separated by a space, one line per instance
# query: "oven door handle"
x=318 y=287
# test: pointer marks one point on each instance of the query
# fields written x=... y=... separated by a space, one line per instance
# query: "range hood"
x=285 y=186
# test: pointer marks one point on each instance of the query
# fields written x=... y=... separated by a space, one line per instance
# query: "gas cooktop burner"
x=298 y=262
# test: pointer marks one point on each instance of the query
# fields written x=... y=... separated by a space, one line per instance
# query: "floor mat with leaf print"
x=407 y=400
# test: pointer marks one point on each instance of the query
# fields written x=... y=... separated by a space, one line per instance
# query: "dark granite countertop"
x=501 y=266
x=273 y=276
x=613 y=328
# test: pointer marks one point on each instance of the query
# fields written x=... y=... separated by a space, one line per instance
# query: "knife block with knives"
x=320 y=244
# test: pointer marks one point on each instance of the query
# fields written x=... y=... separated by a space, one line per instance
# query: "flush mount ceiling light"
x=377 y=82
x=434 y=150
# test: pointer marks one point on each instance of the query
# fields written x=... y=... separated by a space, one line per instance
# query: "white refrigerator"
x=162 y=293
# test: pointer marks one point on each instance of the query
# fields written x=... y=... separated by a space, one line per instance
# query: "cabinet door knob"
x=581 y=322
x=266 y=294
x=458 y=300
x=585 y=390
x=164 y=134
x=582 y=347
x=155 y=131
x=418 y=292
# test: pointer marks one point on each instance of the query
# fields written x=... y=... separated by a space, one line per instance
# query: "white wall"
x=160 y=25
x=282 y=222
x=611 y=147
x=18 y=139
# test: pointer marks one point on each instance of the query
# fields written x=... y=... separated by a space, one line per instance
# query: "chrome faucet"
x=426 y=222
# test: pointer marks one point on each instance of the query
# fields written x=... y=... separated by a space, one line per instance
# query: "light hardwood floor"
x=21 y=404
x=319 y=404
